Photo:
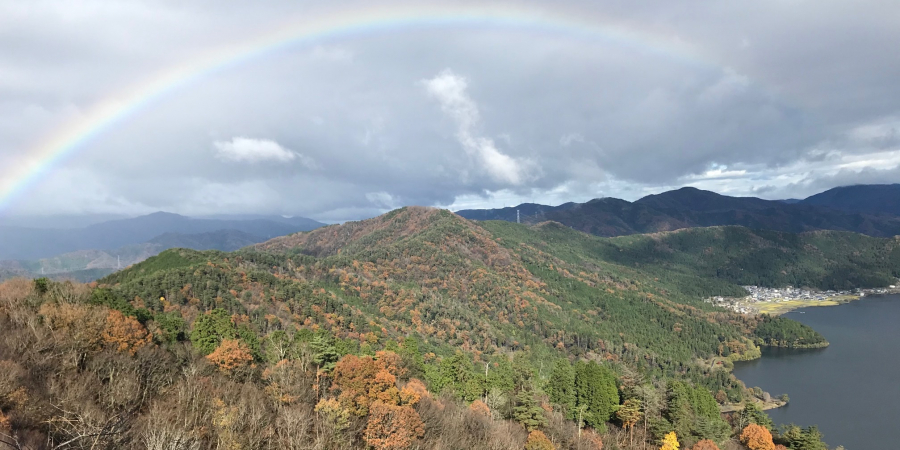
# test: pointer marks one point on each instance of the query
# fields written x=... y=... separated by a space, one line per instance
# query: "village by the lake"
x=764 y=300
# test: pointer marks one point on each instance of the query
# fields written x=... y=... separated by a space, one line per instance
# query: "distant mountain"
x=33 y=243
x=89 y=265
x=871 y=199
x=60 y=221
x=509 y=214
x=698 y=200
x=303 y=222
x=691 y=207
x=225 y=240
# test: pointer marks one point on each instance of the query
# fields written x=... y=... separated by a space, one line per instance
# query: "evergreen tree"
x=324 y=354
x=596 y=391
x=210 y=329
x=527 y=412
x=561 y=386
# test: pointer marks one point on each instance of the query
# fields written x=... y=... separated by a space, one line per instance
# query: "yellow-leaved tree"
x=670 y=441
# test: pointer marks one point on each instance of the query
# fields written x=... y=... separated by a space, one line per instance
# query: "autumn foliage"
x=393 y=427
x=705 y=444
x=756 y=437
x=359 y=381
x=537 y=440
x=480 y=407
x=368 y=386
x=230 y=355
x=670 y=441
x=125 y=334
x=413 y=392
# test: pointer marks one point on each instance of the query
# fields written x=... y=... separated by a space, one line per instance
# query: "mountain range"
x=872 y=210
x=90 y=252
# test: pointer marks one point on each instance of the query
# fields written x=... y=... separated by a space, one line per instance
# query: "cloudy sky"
x=340 y=110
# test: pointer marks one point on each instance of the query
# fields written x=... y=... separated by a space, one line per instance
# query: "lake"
x=850 y=389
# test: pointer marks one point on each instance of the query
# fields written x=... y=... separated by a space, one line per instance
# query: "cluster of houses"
x=764 y=294
x=757 y=294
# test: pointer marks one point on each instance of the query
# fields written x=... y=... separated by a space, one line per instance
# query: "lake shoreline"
x=833 y=387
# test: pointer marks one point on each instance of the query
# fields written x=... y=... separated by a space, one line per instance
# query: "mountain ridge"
x=690 y=207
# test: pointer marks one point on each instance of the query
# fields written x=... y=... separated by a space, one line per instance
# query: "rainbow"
x=66 y=141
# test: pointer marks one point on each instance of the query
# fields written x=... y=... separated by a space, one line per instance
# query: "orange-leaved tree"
x=125 y=334
x=360 y=381
x=230 y=355
x=393 y=427
x=413 y=392
x=756 y=437
x=368 y=386
x=705 y=444
x=670 y=441
x=479 y=407
x=537 y=440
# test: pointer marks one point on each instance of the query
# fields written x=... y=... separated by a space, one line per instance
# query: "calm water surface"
x=851 y=389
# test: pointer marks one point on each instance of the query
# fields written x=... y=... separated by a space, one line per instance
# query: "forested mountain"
x=34 y=243
x=870 y=199
x=691 y=207
x=417 y=328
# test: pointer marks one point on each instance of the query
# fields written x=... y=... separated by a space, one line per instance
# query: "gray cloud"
x=781 y=100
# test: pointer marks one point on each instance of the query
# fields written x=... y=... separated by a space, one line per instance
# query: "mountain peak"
x=358 y=235
x=694 y=199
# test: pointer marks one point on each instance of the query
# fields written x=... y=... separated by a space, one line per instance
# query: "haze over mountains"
x=89 y=252
x=868 y=209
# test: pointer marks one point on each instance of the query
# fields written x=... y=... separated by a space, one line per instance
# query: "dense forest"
x=417 y=329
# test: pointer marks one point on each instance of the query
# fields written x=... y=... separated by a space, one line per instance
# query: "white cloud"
x=450 y=90
x=243 y=149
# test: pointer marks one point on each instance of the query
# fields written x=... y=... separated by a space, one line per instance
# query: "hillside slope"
x=432 y=273
x=495 y=287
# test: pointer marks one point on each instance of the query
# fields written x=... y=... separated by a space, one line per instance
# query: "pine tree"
x=527 y=412
x=324 y=354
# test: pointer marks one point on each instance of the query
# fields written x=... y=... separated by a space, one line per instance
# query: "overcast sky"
x=561 y=101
